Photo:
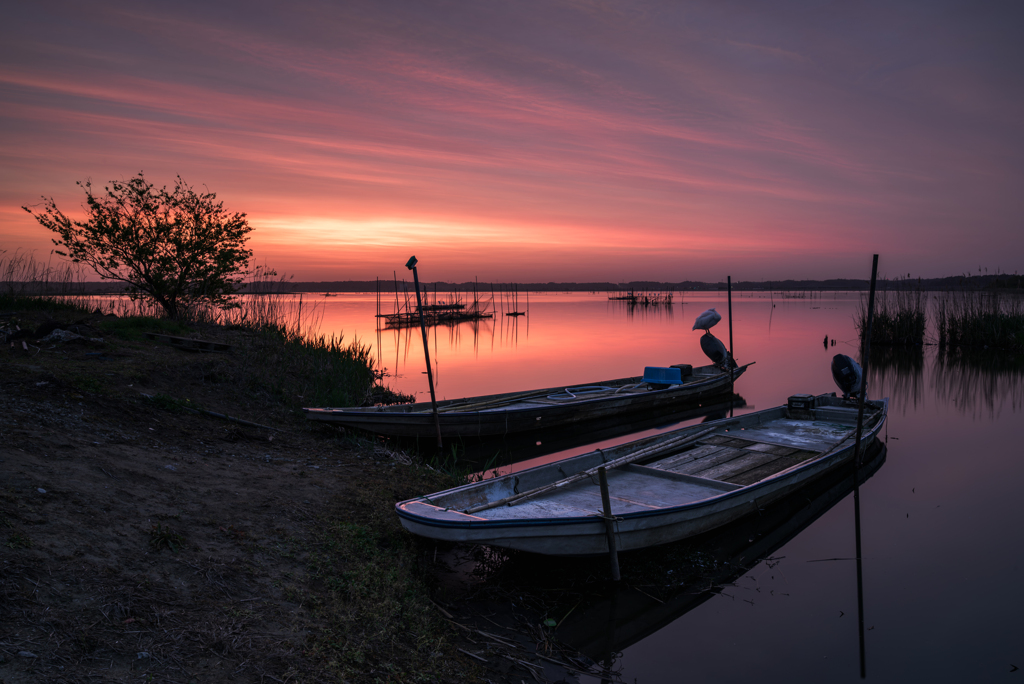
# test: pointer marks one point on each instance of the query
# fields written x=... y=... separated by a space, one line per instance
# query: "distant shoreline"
x=348 y=286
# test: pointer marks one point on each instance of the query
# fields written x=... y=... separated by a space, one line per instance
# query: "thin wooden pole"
x=609 y=524
x=732 y=377
x=426 y=349
x=864 y=359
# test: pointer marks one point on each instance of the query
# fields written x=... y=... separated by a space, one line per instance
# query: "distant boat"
x=663 y=488
x=679 y=387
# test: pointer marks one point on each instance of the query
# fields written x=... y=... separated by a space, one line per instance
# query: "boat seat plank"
x=679 y=477
x=699 y=451
x=773 y=449
x=759 y=473
x=698 y=466
x=813 y=435
x=747 y=461
x=728 y=440
x=638 y=486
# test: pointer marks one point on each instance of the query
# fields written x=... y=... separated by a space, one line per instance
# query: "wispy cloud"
x=630 y=134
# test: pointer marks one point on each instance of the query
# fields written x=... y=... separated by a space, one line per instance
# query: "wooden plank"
x=699 y=466
x=773 y=449
x=673 y=462
x=729 y=440
x=767 y=470
x=715 y=485
x=747 y=461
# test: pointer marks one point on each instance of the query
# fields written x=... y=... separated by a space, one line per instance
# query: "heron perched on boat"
x=716 y=351
x=707 y=320
x=847 y=374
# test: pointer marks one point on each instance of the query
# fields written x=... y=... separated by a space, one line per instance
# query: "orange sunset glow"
x=538 y=141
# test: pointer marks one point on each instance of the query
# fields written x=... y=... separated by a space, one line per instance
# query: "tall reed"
x=899 y=318
x=30 y=284
x=980 y=319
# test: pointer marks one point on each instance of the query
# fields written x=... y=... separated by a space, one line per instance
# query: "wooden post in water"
x=609 y=524
x=411 y=265
x=865 y=351
x=728 y=282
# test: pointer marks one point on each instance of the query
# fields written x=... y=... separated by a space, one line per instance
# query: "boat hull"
x=417 y=420
x=586 y=535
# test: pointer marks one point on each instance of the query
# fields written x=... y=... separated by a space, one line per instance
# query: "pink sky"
x=547 y=141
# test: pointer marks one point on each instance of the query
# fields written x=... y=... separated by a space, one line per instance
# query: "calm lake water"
x=941 y=518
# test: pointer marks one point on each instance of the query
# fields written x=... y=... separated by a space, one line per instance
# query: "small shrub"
x=161 y=537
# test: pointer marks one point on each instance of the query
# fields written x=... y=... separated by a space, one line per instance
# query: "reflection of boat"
x=491 y=452
x=626 y=615
x=663 y=488
x=516 y=412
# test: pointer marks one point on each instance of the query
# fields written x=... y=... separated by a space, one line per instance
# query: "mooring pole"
x=411 y=265
x=728 y=282
x=609 y=524
x=865 y=351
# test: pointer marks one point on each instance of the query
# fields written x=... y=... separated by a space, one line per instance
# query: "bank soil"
x=142 y=541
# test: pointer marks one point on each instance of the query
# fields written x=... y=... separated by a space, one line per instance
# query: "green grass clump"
x=317 y=370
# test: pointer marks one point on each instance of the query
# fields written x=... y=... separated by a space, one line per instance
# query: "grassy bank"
x=221 y=551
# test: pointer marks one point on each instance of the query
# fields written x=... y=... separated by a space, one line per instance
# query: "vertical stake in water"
x=728 y=284
x=411 y=265
x=609 y=523
x=865 y=351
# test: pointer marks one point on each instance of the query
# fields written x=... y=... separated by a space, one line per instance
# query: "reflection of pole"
x=864 y=355
x=609 y=523
x=426 y=348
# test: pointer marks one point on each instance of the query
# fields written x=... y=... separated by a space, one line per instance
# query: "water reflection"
x=973 y=382
x=611 y=622
x=897 y=373
x=485 y=456
x=979 y=381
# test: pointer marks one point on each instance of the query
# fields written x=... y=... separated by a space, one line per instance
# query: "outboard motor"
x=715 y=350
x=847 y=374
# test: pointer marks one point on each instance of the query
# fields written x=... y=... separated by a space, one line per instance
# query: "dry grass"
x=899 y=317
x=981 y=320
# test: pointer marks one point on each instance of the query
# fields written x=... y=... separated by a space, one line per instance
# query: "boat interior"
x=737 y=453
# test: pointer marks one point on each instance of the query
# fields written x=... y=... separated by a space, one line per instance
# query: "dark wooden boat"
x=663 y=488
x=520 y=412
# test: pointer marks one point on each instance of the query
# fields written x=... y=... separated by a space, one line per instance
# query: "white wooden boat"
x=521 y=412
x=662 y=488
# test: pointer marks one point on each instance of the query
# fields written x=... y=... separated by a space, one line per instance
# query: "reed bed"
x=33 y=284
x=899 y=318
x=980 y=320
